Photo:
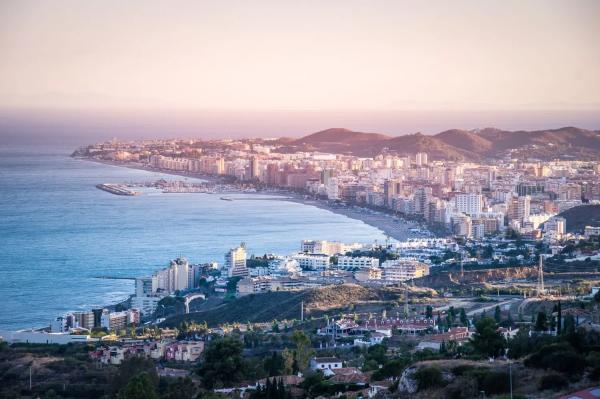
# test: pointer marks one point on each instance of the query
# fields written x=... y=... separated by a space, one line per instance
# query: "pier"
x=117 y=189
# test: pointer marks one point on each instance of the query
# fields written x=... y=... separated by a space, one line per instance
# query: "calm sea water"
x=58 y=232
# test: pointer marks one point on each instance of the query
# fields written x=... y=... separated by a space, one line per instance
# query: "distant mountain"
x=338 y=140
x=456 y=144
x=466 y=140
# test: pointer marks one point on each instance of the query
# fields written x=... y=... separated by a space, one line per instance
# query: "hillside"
x=339 y=140
x=466 y=140
x=581 y=216
x=286 y=304
x=436 y=148
x=457 y=144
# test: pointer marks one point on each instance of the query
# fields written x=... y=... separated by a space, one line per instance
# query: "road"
x=492 y=306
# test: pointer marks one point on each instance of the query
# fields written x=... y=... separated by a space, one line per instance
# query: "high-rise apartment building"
x=235 y=262
x=421 y=200
x=519 y=209
x=421 y=158
x=470 y=204
x=253 y=169
x=170 y=279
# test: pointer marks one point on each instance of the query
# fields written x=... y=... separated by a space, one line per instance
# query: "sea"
x=63 y=241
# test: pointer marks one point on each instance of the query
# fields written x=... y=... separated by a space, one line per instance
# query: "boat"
x=226 y=199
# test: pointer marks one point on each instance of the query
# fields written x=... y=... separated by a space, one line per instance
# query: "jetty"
x=117 y=189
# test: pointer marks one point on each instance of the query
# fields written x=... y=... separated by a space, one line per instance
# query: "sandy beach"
x=394 y=227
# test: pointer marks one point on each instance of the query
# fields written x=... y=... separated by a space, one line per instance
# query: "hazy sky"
x=321 y=57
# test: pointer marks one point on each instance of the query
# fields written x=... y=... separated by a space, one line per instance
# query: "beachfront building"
x=115 y=321
x=168 y=280
x=327 y=247
x=312 y=261
x=235 y=262
x=403 y=270
x=357 y=262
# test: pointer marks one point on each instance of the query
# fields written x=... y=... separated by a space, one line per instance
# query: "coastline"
x=393 y=227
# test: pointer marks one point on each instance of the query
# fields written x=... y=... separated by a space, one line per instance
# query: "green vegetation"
x=487 y=340
x=258 y=261
x=285 y=305
x=223 y=363
x=139 y=387
x=272 y=390
x=429 y=377
x=67 y=372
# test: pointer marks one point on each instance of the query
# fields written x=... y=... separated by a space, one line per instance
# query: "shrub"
x=429 y=377
x=494 y=382
x=462 y=369
x=553 y=381
x=560 y=357
x=593 y=361
x=462 y=388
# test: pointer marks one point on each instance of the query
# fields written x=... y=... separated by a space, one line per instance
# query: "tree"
x=274 y=364
x=559 y=318
x=570 y=325
x=140 y=387
x=304 y=350
x=487 y=340
x=223 y=363
x=275 y=327
x=439 y=322
x=497 y=314
x=429 y=312
x=463 y=318
x=133 y=367
x=288 y=361
x=183 y=388
x=488 y=252
x=541 y=322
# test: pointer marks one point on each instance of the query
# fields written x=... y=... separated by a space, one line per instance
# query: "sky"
x=104 y=68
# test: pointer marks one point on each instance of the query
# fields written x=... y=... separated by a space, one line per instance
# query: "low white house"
x=325 y=363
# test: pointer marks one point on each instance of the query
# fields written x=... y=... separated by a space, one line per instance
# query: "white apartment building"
x=144 y=286
x=114 y=320
x=403 y=270
x=312 y=261
x=358 y=262
x=470 y=203
x=145 y=304
x=170 y=279
x=327 y=247
x=235 y=262
x=284 y=267
x=254 y=285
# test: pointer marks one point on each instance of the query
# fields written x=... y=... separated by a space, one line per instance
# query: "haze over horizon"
x=82 y=71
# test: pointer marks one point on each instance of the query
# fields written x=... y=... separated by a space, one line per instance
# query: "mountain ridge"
x=459 y=144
